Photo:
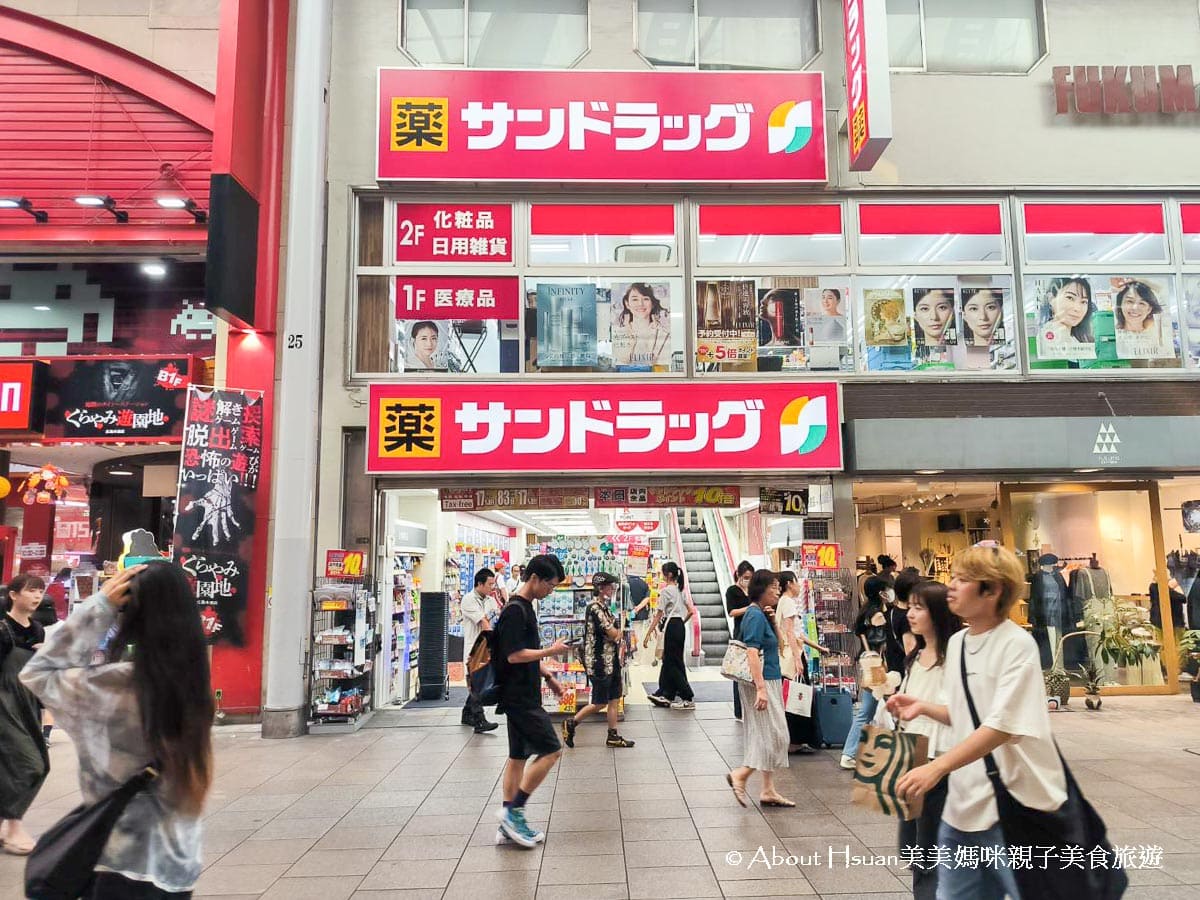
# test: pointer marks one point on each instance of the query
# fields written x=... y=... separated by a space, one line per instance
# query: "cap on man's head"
x=600 y=579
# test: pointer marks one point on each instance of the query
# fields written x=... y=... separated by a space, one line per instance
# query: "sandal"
x=17 y=849
x=783 y=802
x=739 y=793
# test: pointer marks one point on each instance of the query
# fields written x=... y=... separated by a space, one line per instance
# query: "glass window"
x=509 y=34
x=667 y=32
x=1095 y=232
x=1191 y=313
x=1101 y=322
x=965 y=35
x=732 y=34
x=746 y=235
x=499 y=33
x=917 y=323
x=905 y=50
x=588 y=324
x=592 y=234
x=917 y=233
x=433 y=31
x=773 y=324
x=1190 y=214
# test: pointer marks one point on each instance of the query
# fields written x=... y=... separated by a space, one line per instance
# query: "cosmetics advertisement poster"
x=886 y=318
x=726 y=314
x=449 y=345
x=641 y=326
x=781 y=327
x=566 y=325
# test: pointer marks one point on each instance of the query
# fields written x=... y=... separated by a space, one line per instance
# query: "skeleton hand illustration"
x=218 y=508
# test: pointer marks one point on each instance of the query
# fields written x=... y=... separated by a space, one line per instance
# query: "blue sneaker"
x=516 y=829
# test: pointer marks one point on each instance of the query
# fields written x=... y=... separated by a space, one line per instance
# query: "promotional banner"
x=618 y=427
x=216 y=506
x=472 y=499
x=510 y=125
x=667 y=497
x=131 y=399
x=774 y=502
x=821 y=556
x=641 y=325
x=725 y=322
x=343 y=563
x=453 y=232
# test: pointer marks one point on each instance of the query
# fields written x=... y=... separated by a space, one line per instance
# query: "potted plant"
x=1126 y=637
x=1058 y=684
x=1090 y=673
x=1189 y=660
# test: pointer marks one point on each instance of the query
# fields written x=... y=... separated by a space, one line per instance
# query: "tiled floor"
x=408 y=812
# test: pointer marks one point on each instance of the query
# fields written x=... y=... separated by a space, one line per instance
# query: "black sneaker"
x=615 y=740
x=658 y=700
x=569 y=732
x=483 y=726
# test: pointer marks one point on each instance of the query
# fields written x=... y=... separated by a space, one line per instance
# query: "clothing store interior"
x=1092 y=600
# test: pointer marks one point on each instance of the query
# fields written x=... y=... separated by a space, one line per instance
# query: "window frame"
x=1172 y=269
x=402 y=43
x=698 y=66
x=1043 y=32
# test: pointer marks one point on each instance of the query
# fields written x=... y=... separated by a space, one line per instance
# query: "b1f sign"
x=587 y=126
x=868 y=81
x=22 y=396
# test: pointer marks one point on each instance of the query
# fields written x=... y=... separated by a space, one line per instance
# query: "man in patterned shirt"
x=602 y=638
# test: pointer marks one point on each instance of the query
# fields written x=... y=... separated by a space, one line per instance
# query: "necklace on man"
x=983 y=640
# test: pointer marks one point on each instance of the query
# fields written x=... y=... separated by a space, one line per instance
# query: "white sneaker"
x=683 y=704
x=848 y=762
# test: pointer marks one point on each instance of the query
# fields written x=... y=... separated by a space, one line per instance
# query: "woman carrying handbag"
x=802 y=730
x=1009 y=787
x=127 y=677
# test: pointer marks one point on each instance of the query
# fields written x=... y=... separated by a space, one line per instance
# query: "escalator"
x=701 y=572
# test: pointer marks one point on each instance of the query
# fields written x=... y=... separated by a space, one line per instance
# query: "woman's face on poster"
x=933 y=313
x=1070 y=304
x=425 y=342
x=1135 y=310
x=829 y=303
x=982 y=314
x=638 y=304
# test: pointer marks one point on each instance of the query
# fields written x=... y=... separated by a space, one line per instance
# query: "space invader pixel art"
x=194 y=322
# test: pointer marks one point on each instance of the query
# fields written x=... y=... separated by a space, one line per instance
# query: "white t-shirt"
x=672 y=603
x=1005 y=676
x=928 y=685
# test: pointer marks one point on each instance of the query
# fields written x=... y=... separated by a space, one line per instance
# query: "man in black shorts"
x=602 y=659
x=519 y=671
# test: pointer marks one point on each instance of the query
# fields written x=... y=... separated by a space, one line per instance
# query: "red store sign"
x=479 y=125
x=22 y=396
x=453 y=232
x=627 y=427
x=457 y=297
x=868 y=81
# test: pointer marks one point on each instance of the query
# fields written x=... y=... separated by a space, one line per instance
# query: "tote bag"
x=1074 y=824
x=799 y=699
x=736 y=664
x=64 y=860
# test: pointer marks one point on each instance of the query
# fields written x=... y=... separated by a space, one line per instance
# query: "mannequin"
x=1050 y=609
x=1091 y=592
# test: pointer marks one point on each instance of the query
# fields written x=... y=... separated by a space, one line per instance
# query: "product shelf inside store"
x=343 y=629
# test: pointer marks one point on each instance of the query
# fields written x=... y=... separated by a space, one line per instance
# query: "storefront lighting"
x=25 y=205
x=541 y=247
x=1086 y=471
x=107 y=203
x=154 y=269
x=42 y=308
x=119 y=472
x=930 y=471
x=183 y=203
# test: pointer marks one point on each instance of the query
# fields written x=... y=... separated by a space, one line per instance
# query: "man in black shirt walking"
x=519 y=671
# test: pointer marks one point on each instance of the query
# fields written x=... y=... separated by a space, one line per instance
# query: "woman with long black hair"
x=676 y=610
x=24 y=762
x=872 y=631
x=127 y=677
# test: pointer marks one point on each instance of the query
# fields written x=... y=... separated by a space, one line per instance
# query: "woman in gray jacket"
x=127 y=677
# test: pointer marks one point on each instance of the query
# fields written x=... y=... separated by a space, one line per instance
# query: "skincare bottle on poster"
x=950 y=335
x=554 y=325
x=569 y=337
x=712 y=307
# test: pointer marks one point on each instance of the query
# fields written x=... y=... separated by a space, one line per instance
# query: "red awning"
x=1094 y=218
x=810 y=218
x=614 y=219
x=929 y=218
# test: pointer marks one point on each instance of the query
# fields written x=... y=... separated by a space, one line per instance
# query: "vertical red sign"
x=868 y=85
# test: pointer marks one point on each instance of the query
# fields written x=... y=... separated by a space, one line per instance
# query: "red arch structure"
x=81 y=116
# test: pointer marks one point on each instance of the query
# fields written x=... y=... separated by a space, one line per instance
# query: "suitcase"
x=834 y=712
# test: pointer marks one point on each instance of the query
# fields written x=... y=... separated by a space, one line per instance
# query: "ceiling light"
x=154 y=269
x=930 y=471
x=25 y=205
x=1086 y=471
x=95 y=201
x=42 y=308
x=550 y=247
x=183 y=203
x=119 y=472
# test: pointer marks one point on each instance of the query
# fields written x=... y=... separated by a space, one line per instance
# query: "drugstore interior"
x=430 y=543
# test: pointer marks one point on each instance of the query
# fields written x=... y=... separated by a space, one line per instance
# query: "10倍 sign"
x=617 y=428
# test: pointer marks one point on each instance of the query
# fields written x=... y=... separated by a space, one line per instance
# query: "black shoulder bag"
x=1074 y=824
x=64 y=861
